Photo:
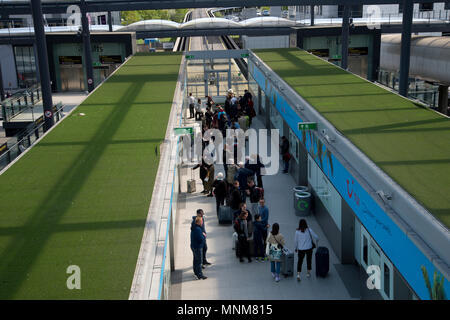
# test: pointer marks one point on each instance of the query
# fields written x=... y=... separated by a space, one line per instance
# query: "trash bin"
x=300 y=189
x=302 y=203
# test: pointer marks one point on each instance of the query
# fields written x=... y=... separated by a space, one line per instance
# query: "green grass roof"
x=410 y=143
x=81 y=196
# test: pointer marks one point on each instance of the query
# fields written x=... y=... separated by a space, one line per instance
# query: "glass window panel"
x=387 y=280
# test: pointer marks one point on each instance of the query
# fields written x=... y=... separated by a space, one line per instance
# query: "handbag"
x=312 y=241
x=275 y=252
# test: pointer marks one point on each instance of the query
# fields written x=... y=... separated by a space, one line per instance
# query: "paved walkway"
x=230 y=279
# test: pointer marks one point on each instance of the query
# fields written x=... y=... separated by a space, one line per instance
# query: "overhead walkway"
x=81 y=195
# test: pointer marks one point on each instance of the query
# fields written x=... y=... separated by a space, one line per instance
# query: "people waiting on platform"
x=201 y=214
x=220 y=189
x=285 y=153
x=274 y=250
x=242 y=228
x=198 y=110
x=198 y=239
x=259 y=229
x=304 y=245
x=191 y=105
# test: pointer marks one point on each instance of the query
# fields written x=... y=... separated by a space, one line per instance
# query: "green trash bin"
x=302 y=203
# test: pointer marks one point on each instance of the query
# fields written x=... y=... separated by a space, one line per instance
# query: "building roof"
x=408 y=142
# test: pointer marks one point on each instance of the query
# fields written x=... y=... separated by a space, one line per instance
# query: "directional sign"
x=307 y=126
x=244 y=55
x=183 y=130
x=189 y=57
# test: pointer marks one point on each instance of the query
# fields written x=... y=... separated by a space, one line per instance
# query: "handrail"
x=27 y=138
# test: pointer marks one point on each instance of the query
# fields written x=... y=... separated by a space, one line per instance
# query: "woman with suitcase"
x=304 y=245
x=274 y=249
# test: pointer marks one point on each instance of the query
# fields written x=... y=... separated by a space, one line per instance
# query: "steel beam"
x=87 y=47
x=345 y=36
x=408 y=6
x=41 y=46
x=110 y=21
x=312 y=15
x=125 y=5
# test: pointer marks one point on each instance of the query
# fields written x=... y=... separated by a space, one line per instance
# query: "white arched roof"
x=267 y=22
x=202 y=23
x=151 y=25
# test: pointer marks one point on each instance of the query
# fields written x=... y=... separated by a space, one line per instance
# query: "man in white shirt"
x=191 y=105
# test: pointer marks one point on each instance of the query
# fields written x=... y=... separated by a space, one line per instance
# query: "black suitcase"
x=322 y=261
x=225 y=216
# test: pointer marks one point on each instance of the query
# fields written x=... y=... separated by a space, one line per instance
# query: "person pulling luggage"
x=304 y=245
x=219 y=190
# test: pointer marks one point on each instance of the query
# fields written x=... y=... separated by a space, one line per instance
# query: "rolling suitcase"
x=225 y=216
x=322 y=261
x=287 y=263
x=235 y=238
x=191 y=184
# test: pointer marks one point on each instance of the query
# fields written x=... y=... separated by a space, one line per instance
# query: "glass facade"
x=326 y=192
x=276 y=119
x=25 y=66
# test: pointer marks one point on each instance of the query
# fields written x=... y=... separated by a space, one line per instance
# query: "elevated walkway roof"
x=408 y=142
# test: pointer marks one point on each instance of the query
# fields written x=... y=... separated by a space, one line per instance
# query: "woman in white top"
x=304 y=245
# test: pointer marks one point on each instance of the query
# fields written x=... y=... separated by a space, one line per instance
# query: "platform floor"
x=230 y=279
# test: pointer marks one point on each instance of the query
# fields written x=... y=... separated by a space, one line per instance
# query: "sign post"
x=307 y=126
x=183 y=130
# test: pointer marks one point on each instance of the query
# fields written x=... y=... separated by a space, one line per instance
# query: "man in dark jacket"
x=256 y=168
x=197 y=243
x=258 y=237
x=235 y=196
x=241 y=175
x=219 y=190
x=255 y=195
x=203 y=173
x=241 y=226
x=201 y=214
x=285 y=153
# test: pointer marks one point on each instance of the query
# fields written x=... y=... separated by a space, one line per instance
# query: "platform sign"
x=307 y=126
x=183 y=131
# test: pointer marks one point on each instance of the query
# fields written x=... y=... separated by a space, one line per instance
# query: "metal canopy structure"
x=55 y=6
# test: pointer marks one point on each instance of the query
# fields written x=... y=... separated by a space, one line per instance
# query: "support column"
x=110 y=21
x=345 y=36
x=408 y=6
x=443 y=99
x=41 y=46
x=87 y=47
x=2 y=90
x=312 y=14
x=376 y=53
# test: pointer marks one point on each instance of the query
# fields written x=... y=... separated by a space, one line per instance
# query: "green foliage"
x=436 y=291
x=176 y=15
